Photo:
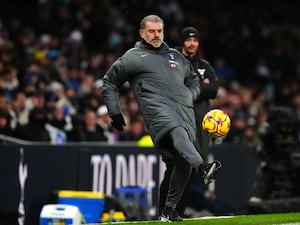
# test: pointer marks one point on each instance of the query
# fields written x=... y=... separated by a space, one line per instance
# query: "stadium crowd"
x=53 y=55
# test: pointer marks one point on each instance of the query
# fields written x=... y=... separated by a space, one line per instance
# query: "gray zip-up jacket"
x=164 y=84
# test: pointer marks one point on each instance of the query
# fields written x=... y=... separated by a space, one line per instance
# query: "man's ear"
x=141 y=33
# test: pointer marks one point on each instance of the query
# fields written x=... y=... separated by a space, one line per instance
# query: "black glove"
x=118 y=122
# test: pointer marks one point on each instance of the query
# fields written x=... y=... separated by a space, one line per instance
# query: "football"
x=216 y=123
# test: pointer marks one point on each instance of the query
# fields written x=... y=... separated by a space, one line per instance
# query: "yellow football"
x=216 y=123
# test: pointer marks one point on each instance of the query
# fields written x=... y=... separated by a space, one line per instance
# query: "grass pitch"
x=261 y=219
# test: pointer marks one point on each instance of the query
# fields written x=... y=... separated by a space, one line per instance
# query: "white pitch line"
x=209 y=217
x=287 y=223
x=199 y=218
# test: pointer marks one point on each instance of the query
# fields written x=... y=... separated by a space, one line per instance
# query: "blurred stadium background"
x=53 y=55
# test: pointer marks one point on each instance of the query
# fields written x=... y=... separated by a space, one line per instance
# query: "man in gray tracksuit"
x=165 y=87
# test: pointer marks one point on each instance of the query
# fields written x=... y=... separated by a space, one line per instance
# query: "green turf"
x=262 y=219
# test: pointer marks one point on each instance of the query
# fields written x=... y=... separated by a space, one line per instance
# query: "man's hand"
x=118 y=122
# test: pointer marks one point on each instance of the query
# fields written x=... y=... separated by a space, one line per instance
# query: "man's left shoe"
x=210 y=170
x=169 y=214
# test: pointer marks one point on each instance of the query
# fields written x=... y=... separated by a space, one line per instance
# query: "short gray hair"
x=150 y=18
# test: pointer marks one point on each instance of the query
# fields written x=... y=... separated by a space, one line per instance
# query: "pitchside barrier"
x=32 y=175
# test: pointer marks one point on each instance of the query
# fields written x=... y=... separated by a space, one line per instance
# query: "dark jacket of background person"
x=208 y=91
x=201 y=106
x=148 y=70
x=35 y=130
x=91 y=130
x=93 y=135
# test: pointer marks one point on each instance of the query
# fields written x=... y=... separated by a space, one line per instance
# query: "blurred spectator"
x=60 y=97
x=238 y=128
x=35 y=130
x=86 y=86
x=3 y=102
x=103 y=119
x=97 y=90
x=20 y=108
x=137 y=130
x=5 y=128
x=91 y=130
x=58 y=117
x=54 y=55
x=171 y=11
x=296 y=104
x=96 y=65
x=11 y=79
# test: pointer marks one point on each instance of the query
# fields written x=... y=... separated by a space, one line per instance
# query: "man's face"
x=153 y=33
x=190 y=46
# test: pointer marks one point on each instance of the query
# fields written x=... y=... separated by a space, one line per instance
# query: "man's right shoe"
x=210 y=170
x=169 y=214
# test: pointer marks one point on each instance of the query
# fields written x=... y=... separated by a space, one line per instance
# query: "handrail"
x=4 y=139
x=13 y=140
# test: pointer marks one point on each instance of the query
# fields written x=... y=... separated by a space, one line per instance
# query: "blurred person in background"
x=137 y=129
x=35 y=130
x=103 y=119
x=92 y=131
x=165 y=87
x=20 y=108
x=96 y=65
x=208 y=82
x=5 y=128
x=11 y=78
x=296 y=104
x=277 y=173
x=7 y=106
x=60 y=118
x=86 y=86
x=209 y=88
x=97 y=90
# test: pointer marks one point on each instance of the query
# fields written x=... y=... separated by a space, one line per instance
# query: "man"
x=91 y=130
x=209 y=88
x=208 y=82
x=165 y=87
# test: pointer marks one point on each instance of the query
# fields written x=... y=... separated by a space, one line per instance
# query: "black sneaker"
x=169 y=214
x=210 y=170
